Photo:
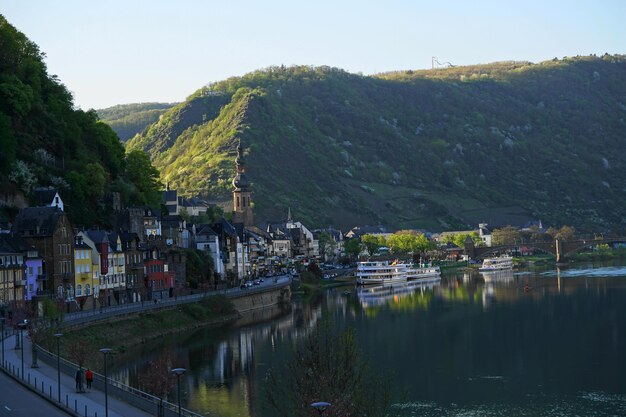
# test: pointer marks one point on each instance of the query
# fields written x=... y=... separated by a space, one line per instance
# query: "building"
x=242 y=200
x=83 y=275
x=12 y=273
x=48 y=229
x=134 y=254
x=48 y=197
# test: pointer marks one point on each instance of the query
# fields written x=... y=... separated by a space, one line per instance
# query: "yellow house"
x=84 y=273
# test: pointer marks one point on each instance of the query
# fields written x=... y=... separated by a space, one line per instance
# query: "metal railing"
x=105 y=313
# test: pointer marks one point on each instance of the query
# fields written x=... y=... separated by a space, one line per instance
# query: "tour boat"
x=382 y=272
x=500 y=263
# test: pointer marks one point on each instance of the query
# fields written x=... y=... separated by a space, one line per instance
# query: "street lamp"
x=105 y=352
x=178 y=372
x=57 y=336
x=321 y=406
x=2 y=319
x=21 y=326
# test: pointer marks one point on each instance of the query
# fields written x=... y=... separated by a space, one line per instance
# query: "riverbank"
x=120 y=335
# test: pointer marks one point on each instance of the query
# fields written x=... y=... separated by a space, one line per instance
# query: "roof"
x=44 y=196
x=37 y=221
x=10 y=243
x=97 y=236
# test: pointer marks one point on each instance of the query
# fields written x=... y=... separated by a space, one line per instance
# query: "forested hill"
x=439 y=148
x=129 y=119
x=45 y=142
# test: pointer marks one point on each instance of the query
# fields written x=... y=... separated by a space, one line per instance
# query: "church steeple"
x=242 y=203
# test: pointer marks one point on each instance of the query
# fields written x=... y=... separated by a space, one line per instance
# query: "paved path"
x=43 y=380
x=15 y=400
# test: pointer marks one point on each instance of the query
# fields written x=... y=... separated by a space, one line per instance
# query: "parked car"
x=257 y=282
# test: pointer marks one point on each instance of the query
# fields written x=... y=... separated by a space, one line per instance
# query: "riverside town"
x=330 y=209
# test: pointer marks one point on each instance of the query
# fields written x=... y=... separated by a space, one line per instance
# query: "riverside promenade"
x=42 y=380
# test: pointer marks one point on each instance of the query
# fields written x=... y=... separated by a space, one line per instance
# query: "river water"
x=530 y=343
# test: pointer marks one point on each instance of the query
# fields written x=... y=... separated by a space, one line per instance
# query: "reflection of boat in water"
x=497 y=276
x=501 y=263
x=383 y=272
x=380 y=294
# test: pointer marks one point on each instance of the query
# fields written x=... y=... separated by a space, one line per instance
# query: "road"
x=17 y=401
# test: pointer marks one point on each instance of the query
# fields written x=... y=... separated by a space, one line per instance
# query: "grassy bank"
x=122 y=334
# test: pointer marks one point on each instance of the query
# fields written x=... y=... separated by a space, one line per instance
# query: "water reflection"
x=517 y=343
x=375 y=296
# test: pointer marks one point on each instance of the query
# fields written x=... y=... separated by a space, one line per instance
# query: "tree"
x=37 y=333
x=565 y=233
x=373 y=242
x=353 y=247
x=327 y=366
x=507 y=235
x=157 y=378
x=460 y=238
x=78 y=350
x=327 y=245
x=145 y=178
x=409 y=241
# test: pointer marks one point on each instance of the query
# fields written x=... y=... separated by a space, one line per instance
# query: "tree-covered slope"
x=437 y=149
x=44 y=142
x=129 y=119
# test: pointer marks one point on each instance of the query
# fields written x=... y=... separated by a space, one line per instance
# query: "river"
x=534 y=342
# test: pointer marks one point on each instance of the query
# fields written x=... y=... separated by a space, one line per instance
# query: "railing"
x=105 y=313
x=128 y=394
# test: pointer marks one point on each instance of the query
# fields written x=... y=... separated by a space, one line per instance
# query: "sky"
x=131 y=51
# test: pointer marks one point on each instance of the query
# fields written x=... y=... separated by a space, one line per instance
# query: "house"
x=333 y=242
x=159 y=280
x=134 y=254
x=48 y=229
x=12 y=274
x=84 y=273
x=207 y=240
x=358 y=231
x=48 y=197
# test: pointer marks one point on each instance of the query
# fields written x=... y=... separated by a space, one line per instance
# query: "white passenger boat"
x=384 y=272
x=501 y=263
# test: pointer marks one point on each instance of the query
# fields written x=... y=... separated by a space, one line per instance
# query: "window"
x=79 y=290
x=30 y=271
x=87 y=289
x=60 y=290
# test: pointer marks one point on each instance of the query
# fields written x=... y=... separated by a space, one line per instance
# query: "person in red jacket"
x=89 y=377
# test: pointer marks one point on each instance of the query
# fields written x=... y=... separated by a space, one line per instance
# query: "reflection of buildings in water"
x=373 y=296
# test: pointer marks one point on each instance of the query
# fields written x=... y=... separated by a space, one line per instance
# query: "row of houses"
x=42 y=255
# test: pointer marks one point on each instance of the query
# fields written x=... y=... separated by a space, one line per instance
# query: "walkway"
x=43 y=381
x=105 y=313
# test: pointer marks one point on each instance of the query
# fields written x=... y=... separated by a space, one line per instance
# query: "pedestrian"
x=79 y=380
x=89 y=378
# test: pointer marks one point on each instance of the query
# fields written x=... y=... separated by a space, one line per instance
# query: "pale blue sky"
x=124 y=51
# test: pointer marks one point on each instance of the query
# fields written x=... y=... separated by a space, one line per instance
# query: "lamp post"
x=57 y=336
x=178 y=372
x=105 y=352
x=21 y=326
x=321 y=407
x=2 y=319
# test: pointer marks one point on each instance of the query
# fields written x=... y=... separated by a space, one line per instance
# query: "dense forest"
x=500 y=143
x=129 y=119
x=45 y=142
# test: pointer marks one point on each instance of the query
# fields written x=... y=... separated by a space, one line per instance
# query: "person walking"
x=79 y=380
x=89 y=378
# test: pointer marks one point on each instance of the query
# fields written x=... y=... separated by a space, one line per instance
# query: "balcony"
x=20 y=283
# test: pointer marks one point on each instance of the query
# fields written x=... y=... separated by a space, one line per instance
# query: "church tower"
x=242 y=203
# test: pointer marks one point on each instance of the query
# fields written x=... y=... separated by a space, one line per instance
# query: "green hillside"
x=129 y=119
x=44 y=142
x=501 y=143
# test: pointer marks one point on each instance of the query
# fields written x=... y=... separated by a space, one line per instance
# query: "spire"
x=289 y=215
